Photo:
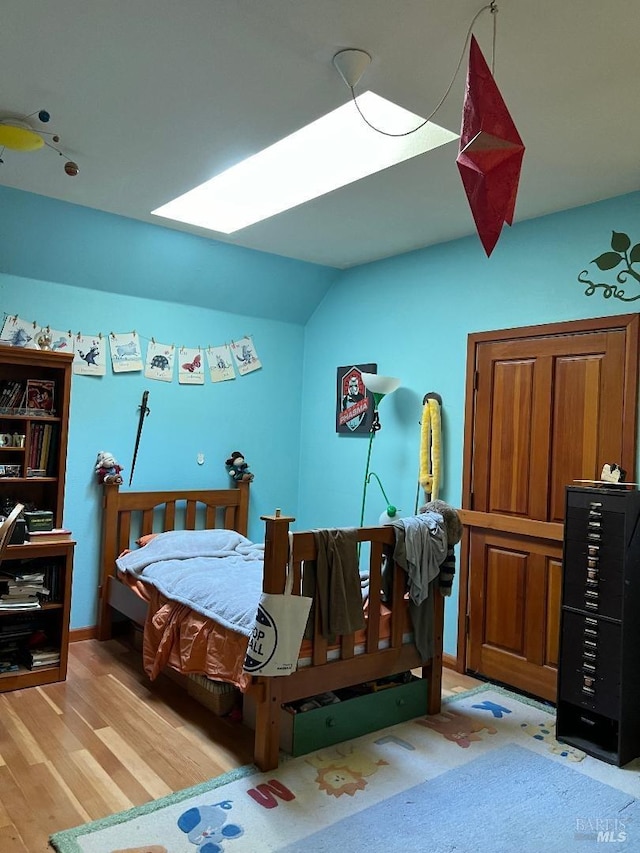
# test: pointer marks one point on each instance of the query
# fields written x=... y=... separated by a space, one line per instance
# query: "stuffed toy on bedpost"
x=453 y=527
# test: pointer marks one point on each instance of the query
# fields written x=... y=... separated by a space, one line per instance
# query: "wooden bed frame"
x=130 y=514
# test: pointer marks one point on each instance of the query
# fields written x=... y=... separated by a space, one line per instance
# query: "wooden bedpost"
x=433 y=670
x=107 y=556
x=268 y=710
x=242 y=517
x=276 y=551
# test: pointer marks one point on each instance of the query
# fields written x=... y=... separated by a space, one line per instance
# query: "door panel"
x=553 y=605
x=506 y=574
x=513 y=630
x=511 y=437
x=545 y=406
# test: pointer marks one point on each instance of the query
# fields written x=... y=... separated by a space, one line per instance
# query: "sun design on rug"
x=456 y=727
x=546 y=732
x=343 y=772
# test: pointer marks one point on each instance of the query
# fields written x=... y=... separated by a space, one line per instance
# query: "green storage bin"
x=38 y=520
x=307 y=731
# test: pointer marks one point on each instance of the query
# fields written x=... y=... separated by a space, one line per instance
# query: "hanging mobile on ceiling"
x=21 y=133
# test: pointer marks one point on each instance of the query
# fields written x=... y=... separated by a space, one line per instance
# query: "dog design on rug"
x=546 y=733
x=206 y=826
x=458 y=728
x=343 y=771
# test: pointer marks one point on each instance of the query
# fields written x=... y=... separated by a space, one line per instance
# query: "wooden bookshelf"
x=35 y=393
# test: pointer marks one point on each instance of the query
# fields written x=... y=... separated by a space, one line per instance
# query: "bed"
x=384 y=648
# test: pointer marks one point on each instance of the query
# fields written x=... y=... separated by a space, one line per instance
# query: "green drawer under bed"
x=306 y=731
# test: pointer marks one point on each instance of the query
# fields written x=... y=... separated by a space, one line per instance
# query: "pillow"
x=144 y=540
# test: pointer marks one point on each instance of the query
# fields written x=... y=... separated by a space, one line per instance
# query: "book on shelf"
x=48 y=656
x=9 y=637
x=12 y=394
x=39 y=394
x=40 y=592
x=19 y=605
x=47 y=653
x=21 y=576
x=18 y=626
x=19 y=595
x=44 y=451
x=58 y=534
x=11 y=587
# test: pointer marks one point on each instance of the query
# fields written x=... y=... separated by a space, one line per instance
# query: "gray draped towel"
x=421 y=548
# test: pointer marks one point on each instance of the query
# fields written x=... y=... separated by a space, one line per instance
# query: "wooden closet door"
x=548 y=405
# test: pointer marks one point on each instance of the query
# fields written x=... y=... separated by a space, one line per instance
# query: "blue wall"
x=411 y=315
x=51 y=240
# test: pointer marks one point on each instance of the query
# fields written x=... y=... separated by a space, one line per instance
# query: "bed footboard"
x=330 y=671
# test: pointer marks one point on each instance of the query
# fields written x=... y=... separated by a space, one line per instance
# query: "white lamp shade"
x=386 y=518
x=380 y=384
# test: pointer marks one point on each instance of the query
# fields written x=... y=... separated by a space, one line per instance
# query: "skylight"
x=329 y=153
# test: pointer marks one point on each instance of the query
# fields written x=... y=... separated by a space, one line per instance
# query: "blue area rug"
x=506 y=796
x=484 y=776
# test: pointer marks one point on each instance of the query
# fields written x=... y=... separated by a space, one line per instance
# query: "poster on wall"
x=160 y=361
x=126 y=353
x=190 y=370
x=245 y=355
x=60 y=341
x=354 y=404
x=17 y=332
x=220 y=363
x=89 y=355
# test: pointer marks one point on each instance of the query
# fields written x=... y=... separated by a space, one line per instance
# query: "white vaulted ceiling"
x=151 y=97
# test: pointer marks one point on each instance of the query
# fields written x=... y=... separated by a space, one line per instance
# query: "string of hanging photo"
x=124 y=350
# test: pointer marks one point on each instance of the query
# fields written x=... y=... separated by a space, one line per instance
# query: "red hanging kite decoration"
x=491 y=151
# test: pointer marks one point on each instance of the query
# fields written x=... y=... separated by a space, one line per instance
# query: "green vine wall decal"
x=622 y=252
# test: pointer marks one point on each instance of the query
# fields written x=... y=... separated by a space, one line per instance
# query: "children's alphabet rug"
x=484 y=776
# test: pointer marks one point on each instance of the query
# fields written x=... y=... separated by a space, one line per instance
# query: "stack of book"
x=9 y=656
x=12 y=394
x=14 y=634
x=42 y=448
x=58 y=534
x=46 y=656
x=21 y=590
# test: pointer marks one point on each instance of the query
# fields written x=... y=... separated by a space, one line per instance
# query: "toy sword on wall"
x=144 y=411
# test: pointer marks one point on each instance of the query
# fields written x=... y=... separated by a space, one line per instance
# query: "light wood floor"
x=88 y=747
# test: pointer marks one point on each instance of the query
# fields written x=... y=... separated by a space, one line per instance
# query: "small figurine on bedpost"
x=107 y=468
x=237 y=468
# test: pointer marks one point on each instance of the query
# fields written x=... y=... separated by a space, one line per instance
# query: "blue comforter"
x=217 y=573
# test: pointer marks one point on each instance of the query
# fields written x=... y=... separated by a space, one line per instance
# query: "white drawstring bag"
x=278 y=630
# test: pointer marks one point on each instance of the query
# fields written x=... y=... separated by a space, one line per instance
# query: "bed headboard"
x=128 y=515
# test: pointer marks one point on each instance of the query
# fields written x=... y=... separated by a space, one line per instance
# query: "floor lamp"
x=379 y=386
